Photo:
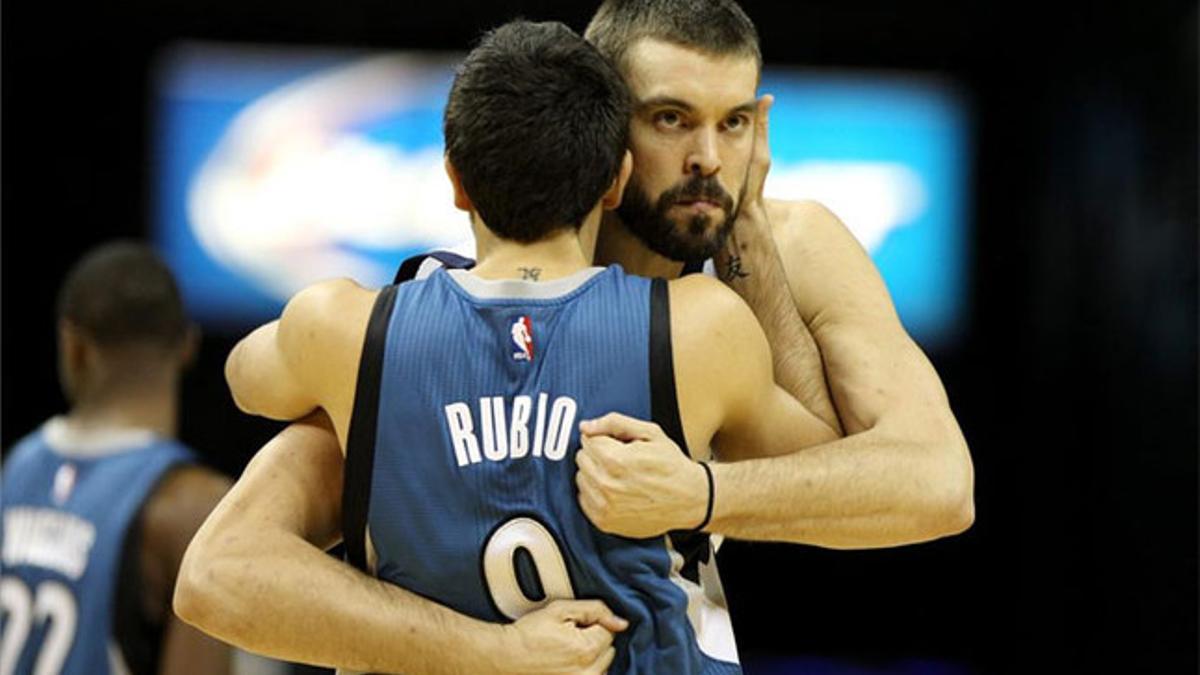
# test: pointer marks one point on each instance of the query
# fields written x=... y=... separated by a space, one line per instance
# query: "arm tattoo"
x=530 y=273
x=734 y=270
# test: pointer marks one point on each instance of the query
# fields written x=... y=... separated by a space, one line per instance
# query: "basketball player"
x=902 y=474
x=700 y=146
x=99 y=504
x=699 y=138
x=464 y=399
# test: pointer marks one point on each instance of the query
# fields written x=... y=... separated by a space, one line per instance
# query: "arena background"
x=1074 y=375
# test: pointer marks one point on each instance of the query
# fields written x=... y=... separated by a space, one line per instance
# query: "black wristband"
x=707 y=511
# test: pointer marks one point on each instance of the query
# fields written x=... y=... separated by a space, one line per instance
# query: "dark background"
x=1075 y=382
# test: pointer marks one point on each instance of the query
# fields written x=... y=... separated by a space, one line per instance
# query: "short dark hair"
x=121 y=294
x=718 y=27
x=536 y=126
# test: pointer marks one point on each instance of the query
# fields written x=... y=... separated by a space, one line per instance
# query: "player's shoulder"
x=28 y=445
x=800 y=211
x=330 y=295
x=707 y=312
x=808 y=225
x=325 y=311
x=26 y=453
x=702 y=294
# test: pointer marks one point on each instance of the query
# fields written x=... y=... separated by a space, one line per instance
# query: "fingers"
x=761 y=133
x=601 y=456
x=613 y=623
x=596 y=638
x=621 y=427
x=591 y=613
x=600 y=666
x=590 y=500
x=761 y=162
x=762 y=127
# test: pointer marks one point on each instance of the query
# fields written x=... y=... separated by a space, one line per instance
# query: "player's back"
x=69 y=500
x=478 y=387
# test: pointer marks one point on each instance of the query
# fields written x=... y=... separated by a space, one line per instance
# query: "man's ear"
x=461 y=200
x=74 y=354
x=612 y=198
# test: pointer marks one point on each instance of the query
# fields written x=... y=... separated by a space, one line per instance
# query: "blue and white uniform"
x=69 y=500
x=461 y=457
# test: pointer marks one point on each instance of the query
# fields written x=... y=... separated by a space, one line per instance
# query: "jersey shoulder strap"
x=360 y=442
x=412 y=266
x=664 y=406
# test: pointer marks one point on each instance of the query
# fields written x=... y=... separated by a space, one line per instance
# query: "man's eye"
x=668 y=118
x=736 y=122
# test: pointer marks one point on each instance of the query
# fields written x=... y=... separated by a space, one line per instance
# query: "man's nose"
x=703 y=159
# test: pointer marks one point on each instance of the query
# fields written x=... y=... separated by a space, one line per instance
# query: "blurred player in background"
x=100 y=504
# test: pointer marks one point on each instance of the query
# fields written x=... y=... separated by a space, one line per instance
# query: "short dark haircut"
x=718 y=27
x=536 y=127
x=122 y=294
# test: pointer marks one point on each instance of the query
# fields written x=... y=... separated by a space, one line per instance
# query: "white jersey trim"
x=464 y=248
x=707 y=610
x=68 y=439
x=517 y=288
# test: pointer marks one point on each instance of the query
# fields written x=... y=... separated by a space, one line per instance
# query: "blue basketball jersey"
x=68 y=503
x=469 y=399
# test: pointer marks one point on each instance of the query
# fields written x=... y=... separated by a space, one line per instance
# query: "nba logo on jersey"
x=64 y=483
x=522 y=337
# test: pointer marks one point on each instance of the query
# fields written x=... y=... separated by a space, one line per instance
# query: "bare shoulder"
x=713 y=326
x=719 y=353
x=332 y=297
x=807 y=220
x=832 y=278
x=326 y=318
x=701 y=303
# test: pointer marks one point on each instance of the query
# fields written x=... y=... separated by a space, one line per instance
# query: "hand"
x=760 y=160
x=635 y=481
x=565 y=636
x=752 y=227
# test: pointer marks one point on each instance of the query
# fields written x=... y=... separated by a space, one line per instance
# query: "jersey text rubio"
x=504 y=428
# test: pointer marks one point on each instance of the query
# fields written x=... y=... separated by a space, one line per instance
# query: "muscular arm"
x=307 y=359
x=169 y=520
x=904 y=473
x=633 y=480
x=750 y=264
x=725 y=378
x=256 y=576
x=904 y=478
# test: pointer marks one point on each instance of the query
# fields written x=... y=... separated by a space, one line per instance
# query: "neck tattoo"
x=530 y=273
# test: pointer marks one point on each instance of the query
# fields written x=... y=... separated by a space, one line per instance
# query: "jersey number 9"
x=500 y=568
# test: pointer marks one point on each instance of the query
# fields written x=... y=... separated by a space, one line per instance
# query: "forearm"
x=751 y=266
x=872 y=489
x=287 y=599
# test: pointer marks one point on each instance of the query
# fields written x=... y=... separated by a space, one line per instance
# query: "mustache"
x=697 y=188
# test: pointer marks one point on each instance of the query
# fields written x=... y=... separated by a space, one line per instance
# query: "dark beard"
x=692 y=241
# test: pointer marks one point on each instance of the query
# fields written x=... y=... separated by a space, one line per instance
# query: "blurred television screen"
x=278 y=167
